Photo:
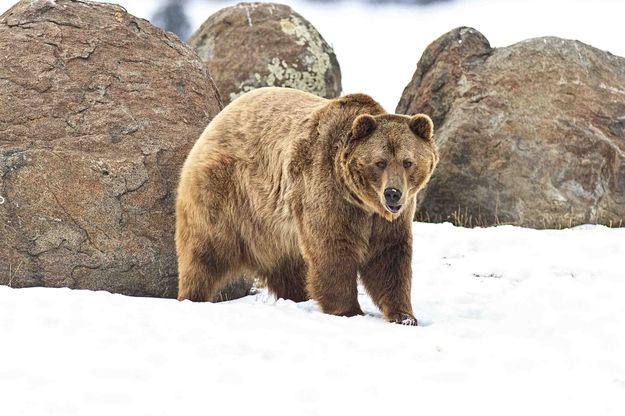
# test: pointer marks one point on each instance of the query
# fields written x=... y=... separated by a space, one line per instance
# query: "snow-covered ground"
x=514 y=322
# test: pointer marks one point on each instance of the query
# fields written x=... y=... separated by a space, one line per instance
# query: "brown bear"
x=308 y=194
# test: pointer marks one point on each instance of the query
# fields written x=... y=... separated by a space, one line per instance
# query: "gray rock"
x=253 y=45
x=532 y=134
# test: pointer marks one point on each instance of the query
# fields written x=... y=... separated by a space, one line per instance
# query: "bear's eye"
x=407 y=164
x=381 y=164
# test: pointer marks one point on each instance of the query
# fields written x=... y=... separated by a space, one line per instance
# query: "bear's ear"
x=362 y=127
x=422 y=126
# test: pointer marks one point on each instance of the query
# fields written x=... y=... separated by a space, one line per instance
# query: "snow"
x=513 y=321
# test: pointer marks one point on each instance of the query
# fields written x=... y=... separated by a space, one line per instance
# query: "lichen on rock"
x=254 y=45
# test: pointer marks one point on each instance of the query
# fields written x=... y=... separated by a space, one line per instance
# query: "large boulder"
x=98 y=110
x=253 y=45
x=532 y=134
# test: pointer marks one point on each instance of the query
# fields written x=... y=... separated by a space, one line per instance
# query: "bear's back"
x=263 y=120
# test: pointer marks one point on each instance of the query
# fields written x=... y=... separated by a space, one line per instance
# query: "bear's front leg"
x=386 y=273
x=333 y=247
x=332 y=282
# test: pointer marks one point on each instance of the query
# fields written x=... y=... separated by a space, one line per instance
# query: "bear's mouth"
x=394 y=209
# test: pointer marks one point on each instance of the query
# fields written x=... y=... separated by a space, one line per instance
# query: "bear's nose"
x=392 y=195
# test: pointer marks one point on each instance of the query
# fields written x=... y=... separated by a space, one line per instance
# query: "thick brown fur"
x=290 y=186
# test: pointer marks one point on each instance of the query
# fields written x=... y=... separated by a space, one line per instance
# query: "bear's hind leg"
x=288 y=280
x=201 y=276
x=194 y=282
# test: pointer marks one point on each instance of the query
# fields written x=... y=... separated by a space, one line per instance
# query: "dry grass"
x=13 y=273
x=463 y=218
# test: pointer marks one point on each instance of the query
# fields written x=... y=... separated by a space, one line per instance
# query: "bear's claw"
x=404 y=319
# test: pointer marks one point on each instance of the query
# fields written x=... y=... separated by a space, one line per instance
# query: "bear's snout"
x=392 y=197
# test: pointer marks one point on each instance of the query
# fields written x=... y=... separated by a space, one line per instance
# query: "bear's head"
x=387 y=159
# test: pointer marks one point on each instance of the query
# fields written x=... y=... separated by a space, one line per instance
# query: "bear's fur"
x=291 y=186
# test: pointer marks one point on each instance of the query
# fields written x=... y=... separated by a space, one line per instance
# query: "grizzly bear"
x=308 y=194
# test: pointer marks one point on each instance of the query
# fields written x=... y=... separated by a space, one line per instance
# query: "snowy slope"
x=515 y=322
